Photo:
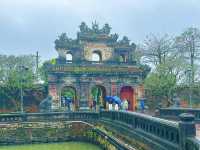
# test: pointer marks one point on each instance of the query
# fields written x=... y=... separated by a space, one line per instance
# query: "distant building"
x=94 y=65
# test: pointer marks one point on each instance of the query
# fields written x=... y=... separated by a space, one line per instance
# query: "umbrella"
x=109 y=99
x=69 y=100
x=117 y=100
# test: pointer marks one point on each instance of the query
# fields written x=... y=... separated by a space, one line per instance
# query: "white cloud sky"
x=30 y=25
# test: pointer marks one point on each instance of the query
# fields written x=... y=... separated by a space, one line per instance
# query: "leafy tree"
x=16 y=71
x=43 y=71
x=17 y=68
x=69 y=92
x=161 y=84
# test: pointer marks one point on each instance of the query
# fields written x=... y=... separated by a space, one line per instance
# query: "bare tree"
x=168 y=65
x=156 y=49
x=188 y=44
x=161 y=52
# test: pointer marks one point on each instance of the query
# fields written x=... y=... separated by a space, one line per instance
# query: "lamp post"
x=21 y=98
x=22 y=69
x=189 y=77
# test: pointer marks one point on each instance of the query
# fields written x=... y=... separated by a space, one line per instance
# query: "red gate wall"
x=127 y=92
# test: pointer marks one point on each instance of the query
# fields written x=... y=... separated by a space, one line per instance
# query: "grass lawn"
x=57 y=146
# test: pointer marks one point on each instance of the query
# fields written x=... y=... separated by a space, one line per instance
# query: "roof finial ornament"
x=106 y=29
x=83 y=27
x=95 y=26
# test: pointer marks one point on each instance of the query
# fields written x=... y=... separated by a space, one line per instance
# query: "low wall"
x=162 y=133
x=173 y=113
x=62 y=131
x=157 y=133
x=53 y=116
x=154 y=133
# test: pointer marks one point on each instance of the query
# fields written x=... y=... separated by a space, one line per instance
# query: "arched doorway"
x=69 y=57
x=127 y=93
x=68 y=93
x=123 y=58
x=98 y=94
x=96 y=56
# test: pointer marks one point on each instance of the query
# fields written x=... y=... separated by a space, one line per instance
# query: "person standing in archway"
x=125 y=104
x=94 y=105
x=129 y=105
x=91 y=105
x=63 y=103
x=67 y=103
x=116 y=107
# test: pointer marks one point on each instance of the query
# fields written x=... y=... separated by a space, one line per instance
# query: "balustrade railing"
x=53 y=116
x=85 y=62
x=173 y=113
x=173 y=135
x=162 y=131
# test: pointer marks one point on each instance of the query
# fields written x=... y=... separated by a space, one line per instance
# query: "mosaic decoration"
x=90 y=69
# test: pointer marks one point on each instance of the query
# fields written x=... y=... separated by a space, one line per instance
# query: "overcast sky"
x=30 y=25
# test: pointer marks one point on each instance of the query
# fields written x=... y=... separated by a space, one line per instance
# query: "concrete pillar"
x=186 y=129
x=78 y=94
x=53 y=92
x=84 y=96
x=113 y=88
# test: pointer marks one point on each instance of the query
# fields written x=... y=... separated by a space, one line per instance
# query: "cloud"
x=30 y=25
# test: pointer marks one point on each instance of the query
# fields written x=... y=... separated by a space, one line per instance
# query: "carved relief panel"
x=106 y=51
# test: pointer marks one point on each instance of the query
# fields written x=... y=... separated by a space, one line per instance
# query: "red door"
x=127 y=93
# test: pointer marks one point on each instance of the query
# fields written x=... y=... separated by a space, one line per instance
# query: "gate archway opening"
x=98 y=94
x=127 y=93
x=123 y=58
x=68 y=95
x=69 y=57
x=96 y=56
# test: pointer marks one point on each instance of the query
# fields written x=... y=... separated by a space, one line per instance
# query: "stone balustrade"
x=162 y=131
x=172 y=135
x=53 y=116
x=173 y=113
x=165 y=134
